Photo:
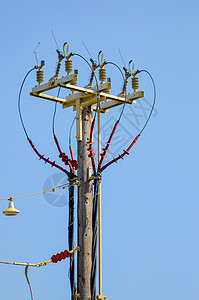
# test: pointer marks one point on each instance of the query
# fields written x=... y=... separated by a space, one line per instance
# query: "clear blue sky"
x=150 y=200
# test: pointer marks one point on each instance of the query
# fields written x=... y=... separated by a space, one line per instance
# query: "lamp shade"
x=11 y=210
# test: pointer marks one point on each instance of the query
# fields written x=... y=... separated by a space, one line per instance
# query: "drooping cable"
x=94 y=238
x=70 y=143
x=46 y=160
x=70 y=133
x=71 y=240
x=54 y=259
x=154 y=99
x=72 y=163
x=28 y=280
x=55 y=111
x=77 y=54
x=120 y=156
x=105 y=150
x=123 y=106
x=19 y=100
x=63 y=186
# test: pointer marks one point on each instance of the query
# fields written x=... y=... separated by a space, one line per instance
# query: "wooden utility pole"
x=84 y=210
x=82 y=99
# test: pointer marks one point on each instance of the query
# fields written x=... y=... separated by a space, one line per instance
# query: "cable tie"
x=90 y=149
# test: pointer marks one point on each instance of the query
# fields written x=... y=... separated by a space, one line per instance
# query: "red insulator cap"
x=90 y=149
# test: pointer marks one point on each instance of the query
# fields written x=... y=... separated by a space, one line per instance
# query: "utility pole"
x=84 y=210
x=85 y=100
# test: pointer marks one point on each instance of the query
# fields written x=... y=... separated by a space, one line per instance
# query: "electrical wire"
x=54 y=114
x=53 y=164
x=46 y=191
x=105 y=150
x=70 y=133
x=62 y=155
x=114 y=64
x=120 y=156
x=19 y=100
x=94 y=238
x=76 y=54
x=71 y=239
x=54 y=259
x=28 y=280
x=154 y=100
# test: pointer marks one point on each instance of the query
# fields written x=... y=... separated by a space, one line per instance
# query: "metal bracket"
x=100 y=297
x=76 y=295
x=96 y=176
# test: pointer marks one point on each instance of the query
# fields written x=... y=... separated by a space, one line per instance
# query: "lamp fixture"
x=11 y=210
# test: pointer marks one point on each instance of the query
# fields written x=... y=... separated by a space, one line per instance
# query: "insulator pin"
x=102 y=75
x=135 y=83
x=40 y=76
x=68 y=66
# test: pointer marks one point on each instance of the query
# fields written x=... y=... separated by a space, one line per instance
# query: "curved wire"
x=28 y=280
x=19 y=101
x=114 y=64
x=154 y=99
x=55 y=110
x=103 y=154
x=25 y=131
x=126 y=152
x=71 y=127
x=76 y=54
